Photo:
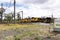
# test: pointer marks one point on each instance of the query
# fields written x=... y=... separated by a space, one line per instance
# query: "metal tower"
x=1 y=12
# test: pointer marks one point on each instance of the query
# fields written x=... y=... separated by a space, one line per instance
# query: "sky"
x=34 y=8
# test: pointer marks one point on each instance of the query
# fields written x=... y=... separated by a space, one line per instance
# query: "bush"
x=16 y=38
x=36 y=38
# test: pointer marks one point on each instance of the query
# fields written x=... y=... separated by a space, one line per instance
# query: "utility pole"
x=14 y=11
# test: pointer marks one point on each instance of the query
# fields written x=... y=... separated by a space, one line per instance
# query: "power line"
x=10 y=3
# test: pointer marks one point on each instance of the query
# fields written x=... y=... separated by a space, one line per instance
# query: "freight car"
x=35 y=19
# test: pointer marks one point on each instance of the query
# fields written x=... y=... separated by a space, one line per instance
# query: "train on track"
x=35 y=19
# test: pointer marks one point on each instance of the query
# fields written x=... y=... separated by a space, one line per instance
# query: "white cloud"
x=38 y=8
x=2 y=1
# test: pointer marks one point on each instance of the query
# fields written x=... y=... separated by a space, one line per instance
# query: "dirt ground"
x=28 y=32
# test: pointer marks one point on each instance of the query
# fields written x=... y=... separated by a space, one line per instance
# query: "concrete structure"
x=57 y=25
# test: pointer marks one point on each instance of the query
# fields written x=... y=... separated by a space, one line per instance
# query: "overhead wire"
x=9 y=5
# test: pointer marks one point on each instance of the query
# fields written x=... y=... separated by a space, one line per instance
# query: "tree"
x=9 y=17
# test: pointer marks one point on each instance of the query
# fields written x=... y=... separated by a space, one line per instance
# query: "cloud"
x=36 y=8
x=2 y=1
x=35 y=1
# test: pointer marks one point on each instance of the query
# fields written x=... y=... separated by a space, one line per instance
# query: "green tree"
x=9 y=17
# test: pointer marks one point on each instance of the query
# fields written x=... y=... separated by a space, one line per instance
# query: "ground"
x=33 y=31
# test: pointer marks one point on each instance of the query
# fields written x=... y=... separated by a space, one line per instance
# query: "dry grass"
x=28 y=30
x=28 y=26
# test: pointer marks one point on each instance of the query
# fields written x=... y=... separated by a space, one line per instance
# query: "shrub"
x=36 y=38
